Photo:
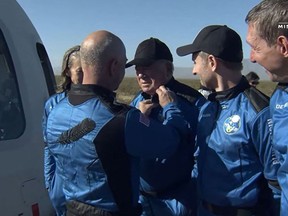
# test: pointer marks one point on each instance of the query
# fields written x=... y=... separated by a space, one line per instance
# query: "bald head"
x=98 y=51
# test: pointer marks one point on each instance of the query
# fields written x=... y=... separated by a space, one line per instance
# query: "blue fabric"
x=78 y=164
x=235 y=148
x=171 y=176
x=53 y=182
x=279 y=112
x=83 y=175
x=168 y=132
x=157 y=206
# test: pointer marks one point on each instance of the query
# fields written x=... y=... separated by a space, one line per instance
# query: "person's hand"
x=165 y=96
x=146 y=106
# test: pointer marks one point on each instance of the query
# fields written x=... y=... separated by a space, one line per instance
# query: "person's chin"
x=145 y=87
x=148 y=91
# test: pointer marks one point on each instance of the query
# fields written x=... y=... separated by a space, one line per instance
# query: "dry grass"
x=129 y=87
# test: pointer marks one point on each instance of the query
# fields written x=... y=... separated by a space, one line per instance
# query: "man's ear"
x=282 y=41
x=113 y=67
x=212 y=61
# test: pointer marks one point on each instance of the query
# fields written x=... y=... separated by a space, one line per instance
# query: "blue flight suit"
x=236 y=157
x=92 y=139
x=279 y=112
x=166 y=184
x=53 y=183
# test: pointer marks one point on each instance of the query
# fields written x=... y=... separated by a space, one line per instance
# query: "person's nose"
x=252 y=56
x=194 y=71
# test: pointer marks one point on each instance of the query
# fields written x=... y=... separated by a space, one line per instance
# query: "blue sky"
x=64 y=23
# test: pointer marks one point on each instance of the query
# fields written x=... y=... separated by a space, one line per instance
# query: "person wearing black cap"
x=166 y=184
x=236 y=161
x=91 y=136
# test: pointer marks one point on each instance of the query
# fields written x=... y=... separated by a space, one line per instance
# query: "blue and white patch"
x=232 y=124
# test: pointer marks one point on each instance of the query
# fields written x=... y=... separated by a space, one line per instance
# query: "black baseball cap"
x=218 y=40
x=149 y=51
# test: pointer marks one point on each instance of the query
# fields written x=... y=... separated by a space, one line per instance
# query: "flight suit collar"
x=230 y=93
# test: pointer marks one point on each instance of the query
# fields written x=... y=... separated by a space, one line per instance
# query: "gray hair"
x=169 y=64
x=270 y=18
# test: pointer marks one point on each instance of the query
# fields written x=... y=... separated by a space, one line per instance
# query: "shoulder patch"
x=232 y=124
x=77 y=132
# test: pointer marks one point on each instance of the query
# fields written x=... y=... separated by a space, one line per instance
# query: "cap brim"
x=186 y=50
x=140 y=62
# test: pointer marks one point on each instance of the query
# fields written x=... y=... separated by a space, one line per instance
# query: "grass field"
x=129 y=87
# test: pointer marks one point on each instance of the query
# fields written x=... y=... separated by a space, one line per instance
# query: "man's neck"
x=228 y=82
